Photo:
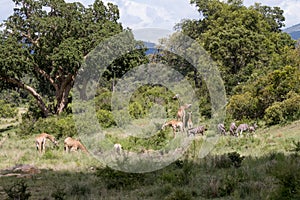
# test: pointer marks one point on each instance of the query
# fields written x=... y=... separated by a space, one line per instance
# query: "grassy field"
x=258 y=166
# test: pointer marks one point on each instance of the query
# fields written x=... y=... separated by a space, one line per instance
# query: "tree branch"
x=29 y=89
x=47 y=76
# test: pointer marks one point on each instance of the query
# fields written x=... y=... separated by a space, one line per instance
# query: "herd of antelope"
x=181 y=123
x=70 y=144
x=187 y=125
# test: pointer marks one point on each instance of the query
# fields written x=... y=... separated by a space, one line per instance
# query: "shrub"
x=103 y=101
x=179 y=194
x=7 y=110
x=136 y=110
x=18 y=190
x=80 y=190
x=105 y=118
x=285 y=111
x=243 y=105
x=236 y=159
x=274 y=114
x=288 y=178
x=59 y=193
x=120 y=180
x=59 y=126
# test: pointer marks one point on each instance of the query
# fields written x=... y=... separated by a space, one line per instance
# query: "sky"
x=162 y=15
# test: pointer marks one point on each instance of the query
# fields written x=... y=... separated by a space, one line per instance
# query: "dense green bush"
x=272 y=97
x=285 y=111
x=105 y=118
x=288 y=178
x=243 y=106
x=103 y=100
x=120 y=180
x=18 y=190
x=179 y=194
x=136 y=110
x=7 y=110
x=149 y=97
x=59 y=126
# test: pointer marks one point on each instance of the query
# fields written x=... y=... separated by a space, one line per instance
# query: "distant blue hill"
x=293 y=31
x=150 y=48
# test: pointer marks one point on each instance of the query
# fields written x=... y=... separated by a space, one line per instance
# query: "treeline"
x=259 y=63
x=44 y=43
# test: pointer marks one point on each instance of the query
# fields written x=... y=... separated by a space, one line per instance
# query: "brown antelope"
x=71 y=144
x=174 y=124
x=190 y=122
x=181 y=113
x=40 y=141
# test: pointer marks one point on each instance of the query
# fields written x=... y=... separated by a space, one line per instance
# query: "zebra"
x=245 y=127
x=241 y=128
x=221 y=129
x=232 y=128
x=197 y=130
x=252 y=128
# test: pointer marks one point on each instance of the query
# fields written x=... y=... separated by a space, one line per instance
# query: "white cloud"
x=291 y=9
x=6 y=9
x=164 y=14
x=154 y=14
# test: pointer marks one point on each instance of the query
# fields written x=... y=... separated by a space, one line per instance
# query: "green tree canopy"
x=242 y=40
x=44 y=43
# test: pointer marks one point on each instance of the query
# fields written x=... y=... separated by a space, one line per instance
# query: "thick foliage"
x=242 y=40
x=285 y=111
x=272 y=97
x=7 y=110
x=62 y=126
x=47 y=42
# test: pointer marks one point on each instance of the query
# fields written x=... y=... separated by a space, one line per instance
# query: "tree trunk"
x=63 y=93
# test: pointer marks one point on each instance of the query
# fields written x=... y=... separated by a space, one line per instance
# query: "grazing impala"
x=73 y=145
x=174 y=124
x=181 y=113
x=40 y=141
x=190 y=122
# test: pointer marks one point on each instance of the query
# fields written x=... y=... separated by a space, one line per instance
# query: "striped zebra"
x=221 y=129
x=197 y=130
x=241 y=128
x=245 y=127
x=252 y=128
x=232 y=129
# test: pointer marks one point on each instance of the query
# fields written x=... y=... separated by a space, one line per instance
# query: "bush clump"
x=7 y=110
x=285 y=111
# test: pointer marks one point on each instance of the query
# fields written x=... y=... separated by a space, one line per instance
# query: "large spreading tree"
x=44 y=43
x=243 y=40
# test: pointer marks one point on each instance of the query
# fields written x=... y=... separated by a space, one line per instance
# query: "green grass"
x=263 y=173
